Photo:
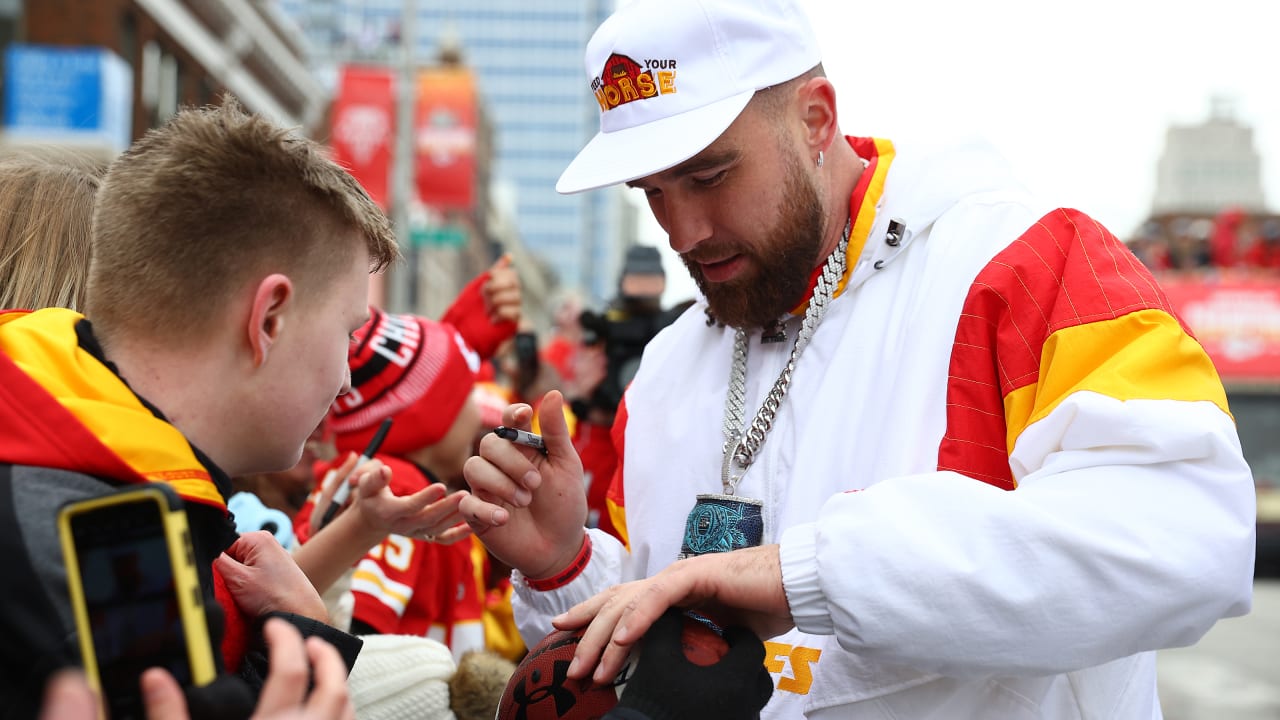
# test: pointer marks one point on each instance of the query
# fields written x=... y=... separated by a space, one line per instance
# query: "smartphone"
x=135 y=592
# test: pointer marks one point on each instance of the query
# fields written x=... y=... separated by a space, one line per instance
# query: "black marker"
x=344 y=489
x=521 y=437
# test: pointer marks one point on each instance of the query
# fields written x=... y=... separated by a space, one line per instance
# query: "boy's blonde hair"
x=210 y=202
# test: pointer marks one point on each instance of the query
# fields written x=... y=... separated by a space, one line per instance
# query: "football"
x=540 y=689
x=701 y=640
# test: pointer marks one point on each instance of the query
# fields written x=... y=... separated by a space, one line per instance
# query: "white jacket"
x=1002 y=343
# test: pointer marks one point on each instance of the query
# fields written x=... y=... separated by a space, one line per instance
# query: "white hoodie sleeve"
x=1132 y=529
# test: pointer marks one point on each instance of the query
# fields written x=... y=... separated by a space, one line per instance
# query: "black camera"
x=526 y=350
x=630 y=322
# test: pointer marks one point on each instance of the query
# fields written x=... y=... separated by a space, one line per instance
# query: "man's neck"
x=177 y=382
x=844 y=169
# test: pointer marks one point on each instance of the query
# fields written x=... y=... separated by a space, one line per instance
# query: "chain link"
x=740 y=449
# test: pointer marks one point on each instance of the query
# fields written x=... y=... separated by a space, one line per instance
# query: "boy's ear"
x=271 y=299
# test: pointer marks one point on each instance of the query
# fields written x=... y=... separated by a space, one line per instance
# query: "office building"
x=1209 y=166
x=527 y=58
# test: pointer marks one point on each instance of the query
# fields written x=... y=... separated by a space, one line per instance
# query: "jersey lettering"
x=777 y=656
x=405 y=335
x=396 y=551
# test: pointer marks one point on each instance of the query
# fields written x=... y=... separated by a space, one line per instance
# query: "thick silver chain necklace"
x=741 y=448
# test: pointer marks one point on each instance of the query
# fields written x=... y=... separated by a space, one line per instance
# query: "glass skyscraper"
x=527 y=56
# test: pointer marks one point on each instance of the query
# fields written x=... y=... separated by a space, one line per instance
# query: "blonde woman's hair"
x=46 y=205
x=215 y=198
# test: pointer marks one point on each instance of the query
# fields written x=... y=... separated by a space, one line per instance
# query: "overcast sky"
x=1077 y=95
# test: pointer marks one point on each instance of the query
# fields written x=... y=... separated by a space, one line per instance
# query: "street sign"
x=438 y=236
x=80 y=95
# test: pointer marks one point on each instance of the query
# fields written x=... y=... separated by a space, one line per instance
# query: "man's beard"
x=779 y=267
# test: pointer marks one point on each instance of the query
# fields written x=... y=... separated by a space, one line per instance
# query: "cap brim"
x=635 y=152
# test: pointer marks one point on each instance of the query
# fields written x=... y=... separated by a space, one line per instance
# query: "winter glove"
x=469 y=315
x=667 y=686
x=226 y=698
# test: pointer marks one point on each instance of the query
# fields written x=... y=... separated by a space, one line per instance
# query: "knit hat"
x=643 y=260
x=671 y=75
x=398 y=677
x=413 y=369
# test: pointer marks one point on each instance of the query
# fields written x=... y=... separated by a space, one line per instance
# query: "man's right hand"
x=529 y=509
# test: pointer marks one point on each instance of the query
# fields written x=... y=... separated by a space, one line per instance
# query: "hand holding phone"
x=290 y=691
x=135 y=593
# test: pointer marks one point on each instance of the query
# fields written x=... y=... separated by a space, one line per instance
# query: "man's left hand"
x=743 y=587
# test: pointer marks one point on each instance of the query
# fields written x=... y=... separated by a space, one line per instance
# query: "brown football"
x=540 y=689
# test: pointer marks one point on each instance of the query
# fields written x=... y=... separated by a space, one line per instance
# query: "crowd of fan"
x=1230 y=239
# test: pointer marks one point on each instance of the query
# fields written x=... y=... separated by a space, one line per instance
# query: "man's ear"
x=818 y=111
x=271 y=299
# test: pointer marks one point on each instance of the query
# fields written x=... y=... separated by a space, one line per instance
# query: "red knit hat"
x=416 y=370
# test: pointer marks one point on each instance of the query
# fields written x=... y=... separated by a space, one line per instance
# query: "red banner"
x=445 y=138
x=364 y=127
x=1236 y=319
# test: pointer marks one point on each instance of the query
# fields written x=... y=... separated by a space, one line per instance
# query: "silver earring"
x=819 y=158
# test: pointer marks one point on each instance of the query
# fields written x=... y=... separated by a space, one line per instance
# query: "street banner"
x=445 y=138
x=364 y=127
x=1236 y=318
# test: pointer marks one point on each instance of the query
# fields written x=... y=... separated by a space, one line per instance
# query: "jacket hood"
x=926 y=179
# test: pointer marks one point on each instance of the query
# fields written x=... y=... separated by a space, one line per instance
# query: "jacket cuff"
x=533 y=610
x=798 y=554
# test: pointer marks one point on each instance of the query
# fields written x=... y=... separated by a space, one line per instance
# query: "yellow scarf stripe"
x=48 y=351
x=1143 y=355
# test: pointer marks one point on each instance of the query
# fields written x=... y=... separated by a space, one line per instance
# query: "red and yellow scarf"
x=60 y=407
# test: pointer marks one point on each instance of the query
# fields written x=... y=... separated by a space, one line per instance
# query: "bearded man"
x=943 y=445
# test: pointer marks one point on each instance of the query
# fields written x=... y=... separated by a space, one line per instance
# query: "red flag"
x=364 y=127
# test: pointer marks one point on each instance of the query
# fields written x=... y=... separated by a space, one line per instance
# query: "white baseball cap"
x=671 y=75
